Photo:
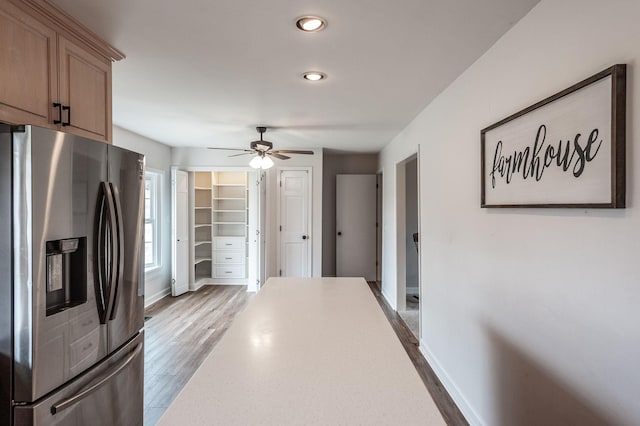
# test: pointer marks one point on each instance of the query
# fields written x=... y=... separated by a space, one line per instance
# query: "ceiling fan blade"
x=276 y=155
x=242 y=153
x=293 y=151
x=233 y=149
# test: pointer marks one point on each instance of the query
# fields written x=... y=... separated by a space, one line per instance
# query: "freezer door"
x=109 y=394
x=57 y=331
x=126 y=176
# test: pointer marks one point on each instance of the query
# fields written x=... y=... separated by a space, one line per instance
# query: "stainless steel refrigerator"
x=71 y=280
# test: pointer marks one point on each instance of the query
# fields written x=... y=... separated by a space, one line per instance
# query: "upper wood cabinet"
x=53 y=71
x=28 y=68
x=85 y=91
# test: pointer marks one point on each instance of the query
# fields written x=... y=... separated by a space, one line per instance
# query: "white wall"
x=157 y=157
x=530 y=316
x=199 y=157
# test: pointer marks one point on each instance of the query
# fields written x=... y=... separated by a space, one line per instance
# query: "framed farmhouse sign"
x=565 y=151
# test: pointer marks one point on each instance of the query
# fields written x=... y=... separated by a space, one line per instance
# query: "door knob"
x=339 y=233
x=304 y=237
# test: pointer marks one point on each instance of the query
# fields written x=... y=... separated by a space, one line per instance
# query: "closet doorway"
x=224 y=220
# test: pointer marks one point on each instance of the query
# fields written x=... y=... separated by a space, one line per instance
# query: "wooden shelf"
x=201 y=225
x=202 y=259
x=200 y=243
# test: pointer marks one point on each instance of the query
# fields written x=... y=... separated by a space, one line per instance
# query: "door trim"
x=401 y=230
x=355 y=220
x=174 y=233
x=379 y=208
x=309 y=171
x=251 y=174
x=420 y=237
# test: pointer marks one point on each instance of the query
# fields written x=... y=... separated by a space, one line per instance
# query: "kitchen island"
x=313 y=351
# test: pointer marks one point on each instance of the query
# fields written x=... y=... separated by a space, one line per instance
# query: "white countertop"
x=307 y=351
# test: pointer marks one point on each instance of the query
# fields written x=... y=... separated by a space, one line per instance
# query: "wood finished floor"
x=180 y=334
x=445 y=404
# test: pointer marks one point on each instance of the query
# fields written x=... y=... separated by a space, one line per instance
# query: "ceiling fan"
x=264 y=150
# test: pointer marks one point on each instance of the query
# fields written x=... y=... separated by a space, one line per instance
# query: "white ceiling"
x=206 y=72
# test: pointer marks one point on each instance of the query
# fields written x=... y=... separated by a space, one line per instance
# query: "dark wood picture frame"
x=618 y=134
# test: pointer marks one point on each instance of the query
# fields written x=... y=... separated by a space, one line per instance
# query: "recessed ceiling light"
x=310 y=24
x=314 y=75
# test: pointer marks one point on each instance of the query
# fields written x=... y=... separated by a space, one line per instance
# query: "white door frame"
x=174 y=231
x=262 y=227
x=310 y=235
x=379 y=208
x=251 y=286
x=420 y=299
x=401 y=230
x=355 y=221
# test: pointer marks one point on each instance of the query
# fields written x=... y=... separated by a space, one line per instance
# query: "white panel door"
x=295 y=247
x=180 y=232
x=356 y=226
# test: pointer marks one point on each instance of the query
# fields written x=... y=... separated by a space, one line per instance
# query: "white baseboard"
x=228 y=283
x=469 y=413
x=150 y=300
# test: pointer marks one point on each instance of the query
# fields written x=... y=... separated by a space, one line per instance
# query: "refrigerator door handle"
x=104 y=247
x=100 y=254
x=113 y=251
x=119 y=242
x=56 y=408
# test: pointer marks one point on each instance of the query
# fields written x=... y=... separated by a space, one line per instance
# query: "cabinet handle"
x=59 y=106
x=68 y=109
x=228 y=258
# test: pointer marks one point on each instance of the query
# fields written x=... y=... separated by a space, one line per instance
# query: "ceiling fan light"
x=310 y=24
x=256 y=162
x=267 y=163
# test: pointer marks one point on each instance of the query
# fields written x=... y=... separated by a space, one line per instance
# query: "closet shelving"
x=202 y=241
x=220 y=227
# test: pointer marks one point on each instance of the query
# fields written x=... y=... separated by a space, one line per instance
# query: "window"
x=152 y=191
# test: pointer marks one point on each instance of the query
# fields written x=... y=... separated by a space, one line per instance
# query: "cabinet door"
x=27 y=69
x=85 y=86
